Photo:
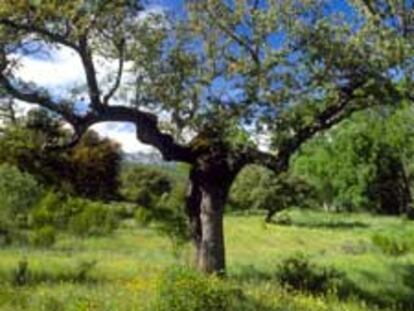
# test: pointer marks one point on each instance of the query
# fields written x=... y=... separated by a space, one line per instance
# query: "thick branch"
x=332 y=115
x=90 y=72
x=31 y=28
x=146 y=123
x=117 y=83
x=147 y=130
x=268 y=160
x=39 y=98
x=81 y=48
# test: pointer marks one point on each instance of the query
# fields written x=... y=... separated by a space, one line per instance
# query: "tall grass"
x=122 y=271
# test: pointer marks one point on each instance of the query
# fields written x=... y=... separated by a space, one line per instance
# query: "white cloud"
x=124 y=134
x=59 y=73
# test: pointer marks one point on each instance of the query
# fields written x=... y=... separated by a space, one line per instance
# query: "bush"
x=43 y=237
x=257 y=188
x=391 y=245
x=144 y=185
x=171 y=220
x=19 y=192
x=51 y=210
x=186 y=290
x=78 y=216
x=94 y=219
x=299 y=273
x=283 y=219
x=124 y=210
x=143 y=216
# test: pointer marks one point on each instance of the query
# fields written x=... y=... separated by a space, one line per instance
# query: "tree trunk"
x=212 y=251
x=206 y=198
x=193 y=206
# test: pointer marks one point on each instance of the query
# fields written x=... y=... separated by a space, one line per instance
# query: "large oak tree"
x=211 y=81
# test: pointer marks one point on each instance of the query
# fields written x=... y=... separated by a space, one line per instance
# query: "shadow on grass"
x=324 y=224
x=23 y=275
x=252 y=274
x=395 y=297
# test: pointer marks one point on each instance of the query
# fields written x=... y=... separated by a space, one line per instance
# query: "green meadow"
x=373 y=256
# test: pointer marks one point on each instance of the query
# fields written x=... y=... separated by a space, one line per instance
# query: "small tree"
x=144 y=185
x=19 y=192
x=226 y=74
x=259 y=188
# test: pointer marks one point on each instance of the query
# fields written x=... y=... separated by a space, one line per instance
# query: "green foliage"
x=170 y=216
x=144 y=185
x=393 y=244
x=298 y=273
x=143 y=216
x=18 y=191
x=95 y=165
x=51 y=210
x=260 y=189
x=364 y=163
x=90 y=169
x=43 y=237
x=21 y=275
x=185 y=290
x=160 y=196
x=283 y=219
x=92 y=218
x=76 y=215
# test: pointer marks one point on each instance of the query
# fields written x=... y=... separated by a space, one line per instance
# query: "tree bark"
x=211 y=256
x=207 y=193
x=193 y=205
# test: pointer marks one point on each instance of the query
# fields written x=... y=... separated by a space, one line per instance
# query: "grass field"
x=120 y=272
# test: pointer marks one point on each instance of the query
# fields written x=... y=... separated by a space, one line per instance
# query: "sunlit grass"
x=126 y=264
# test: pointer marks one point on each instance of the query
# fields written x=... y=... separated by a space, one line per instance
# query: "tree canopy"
x=204 y=86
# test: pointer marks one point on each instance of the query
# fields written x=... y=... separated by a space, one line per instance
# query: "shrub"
x=283 y=219
x=43 y=237
x=21 y=275
x=171 y=219
x=83 y=270
x=299 y=273
x=391 y=245
x=51 y=210
x=186 y=290
x=124 y=210
x=144 y=185
x=18 y=192
x=143 y=216
x=94 y=219
x=76 y=215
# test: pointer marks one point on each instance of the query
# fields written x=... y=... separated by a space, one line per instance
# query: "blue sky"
x=65 y=70
x=174 y=5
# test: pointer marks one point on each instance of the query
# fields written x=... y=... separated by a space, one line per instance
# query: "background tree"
x=144 y=186
x=257 y=188
x=232 y=69
x=89 y=169
x=363 y=164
